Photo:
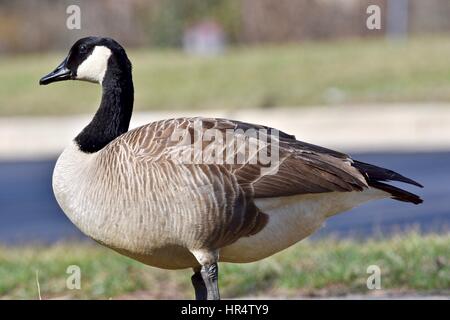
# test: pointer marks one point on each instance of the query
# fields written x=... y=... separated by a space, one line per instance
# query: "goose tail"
x=377 y=176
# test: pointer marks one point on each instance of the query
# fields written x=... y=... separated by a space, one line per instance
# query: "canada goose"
x=127 y=190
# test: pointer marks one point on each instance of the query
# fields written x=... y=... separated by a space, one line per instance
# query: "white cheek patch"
x=94 y=67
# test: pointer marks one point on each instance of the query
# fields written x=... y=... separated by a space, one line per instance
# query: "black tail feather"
x=374 y=175
x=397 y=193
x=381 y=174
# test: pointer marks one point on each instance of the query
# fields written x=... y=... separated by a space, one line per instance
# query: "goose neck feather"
x=113 y=116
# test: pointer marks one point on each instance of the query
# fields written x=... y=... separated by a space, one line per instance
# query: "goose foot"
x=199 y=285
x=210 y=275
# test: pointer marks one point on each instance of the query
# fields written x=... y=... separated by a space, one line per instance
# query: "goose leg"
x=210 y=275
x=209 y=271
x=199 y=285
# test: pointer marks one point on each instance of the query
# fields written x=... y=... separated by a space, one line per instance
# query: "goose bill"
x=61 y=73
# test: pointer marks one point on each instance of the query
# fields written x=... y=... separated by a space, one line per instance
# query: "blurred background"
x=312 y=68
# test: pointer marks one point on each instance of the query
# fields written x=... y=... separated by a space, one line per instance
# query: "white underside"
x=292 y=219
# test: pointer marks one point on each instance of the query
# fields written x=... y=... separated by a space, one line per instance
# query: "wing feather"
x=302 y=167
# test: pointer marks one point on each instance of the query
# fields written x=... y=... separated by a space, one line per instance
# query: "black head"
x=90 y=59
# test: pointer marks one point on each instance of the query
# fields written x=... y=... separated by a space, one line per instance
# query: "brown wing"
x=227 y=185
x=301 y=167
x=222 y=192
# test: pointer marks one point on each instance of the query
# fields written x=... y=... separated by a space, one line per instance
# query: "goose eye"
x=83 y=49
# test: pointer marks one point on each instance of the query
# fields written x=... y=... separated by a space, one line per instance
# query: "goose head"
x=103 y=61
x=91 y=59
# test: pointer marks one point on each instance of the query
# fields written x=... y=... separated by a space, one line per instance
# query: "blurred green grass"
x=408 y=262
x=345 y=72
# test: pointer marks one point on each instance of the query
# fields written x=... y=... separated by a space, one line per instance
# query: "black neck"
x=113 y=116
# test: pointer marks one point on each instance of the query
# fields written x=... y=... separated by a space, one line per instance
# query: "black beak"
x=59 y=74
